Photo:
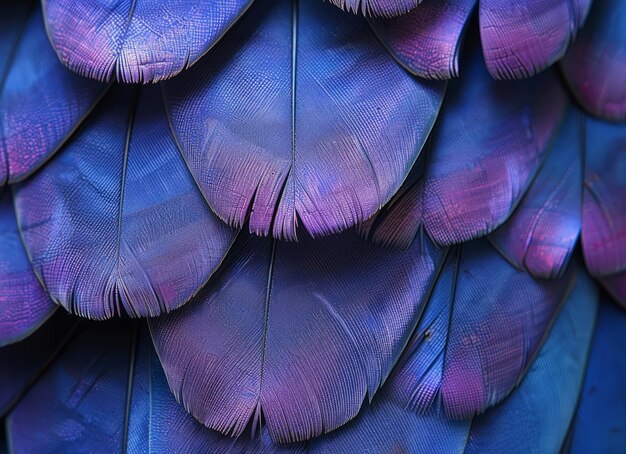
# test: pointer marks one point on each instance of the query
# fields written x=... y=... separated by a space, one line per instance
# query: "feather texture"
x=286 y=123
x=135 y=41
x=542 y=233
x=536 y=418
x=22 y=363
x=115 y=220
x=296 y=333
x=386 y=8
x=427 y=40
x=41 y=102
x=600 y=424
x=521 y=39
x=489 y=142
x=596 y=63
x=481 y=330
x=24 y=305
x=604 y=210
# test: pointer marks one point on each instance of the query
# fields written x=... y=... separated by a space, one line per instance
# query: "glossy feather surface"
x=386 y=8
x=480 y=332
x=24 y=305
x=427 y=41
x=115 y=222
x=300 y=333
x=543 y=231
x=604 y=210
x=596 y=63
x=41 y=101
x=489 y=143
x=520 y=39
x=301 y=118
x=600 y=424
x=137 y=41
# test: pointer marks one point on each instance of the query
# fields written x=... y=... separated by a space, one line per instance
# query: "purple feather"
x=604 y=210
x=521 y=39
x=115 y=220
x=481 y=330
x=137 y=41
x=385 y=8
x=596 y=63
x=299 y=334
x=41 y=102
x=24 y=305
x=489 y=143
x=287 y=124
x=542 y=233
x=427 y=40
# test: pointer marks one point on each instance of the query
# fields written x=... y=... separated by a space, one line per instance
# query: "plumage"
x=137 y=41
x=604 y=210
x=520 y=39
x=595 y=65
x=21 y=364
x=387 y=8
x=24 y=305
x=427 y=40
x=479 y=334
x=543 y=231
x=474 y=177
x=115 y=222
x=300 y=118
x=534 y=419
x=41 y=102
x=324 y=319
x=602 y=407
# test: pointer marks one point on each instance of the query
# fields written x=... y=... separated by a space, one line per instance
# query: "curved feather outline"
x=604 y=212
x=116 y=222
x=543 y=231
x=595 y=65
x=470 y=350
x=472 y=178
x=137 y=42
x=41 y=102
x=295 y=334
x=24 y=305
x=521 y=39
x=381 y=8
x=292 y=146
x=427 y=40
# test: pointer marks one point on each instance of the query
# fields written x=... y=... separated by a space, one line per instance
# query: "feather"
x=604 y=210
x=535 y=419
x=296 y=333
x=386 y=8
x=137 y=41
x=22 y=363
x=475 y=176
x=115 y=220
x=520 y=39
x=600 y=424
x=285 y=122
x=427 y=40
x=24 y=305
x=80 y=403
x=470 y=350
x=595 y=65
x=41 y=102
x=542 y=233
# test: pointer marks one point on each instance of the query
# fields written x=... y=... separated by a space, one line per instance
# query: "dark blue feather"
x=600 y=424
x=115 y=222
